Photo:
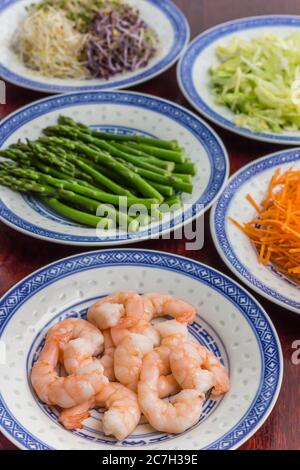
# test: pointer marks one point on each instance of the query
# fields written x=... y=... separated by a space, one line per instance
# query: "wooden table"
x=21 y=255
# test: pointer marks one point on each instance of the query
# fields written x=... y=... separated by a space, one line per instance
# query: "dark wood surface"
x=21 y=255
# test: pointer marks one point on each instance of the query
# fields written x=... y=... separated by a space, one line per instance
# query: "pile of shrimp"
x=138 y=371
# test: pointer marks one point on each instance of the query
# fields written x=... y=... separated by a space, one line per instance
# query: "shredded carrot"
x=275 y=230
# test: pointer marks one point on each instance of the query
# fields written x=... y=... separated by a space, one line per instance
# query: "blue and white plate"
x=230 y=322
x=235 y=248
x=164 y=17
x=193 y=69
x=122 y=112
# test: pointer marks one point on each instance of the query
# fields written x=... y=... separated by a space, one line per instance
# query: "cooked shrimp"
x=79 y=341
x=124 y=309
x=72 y=418
x=128 y=359
x=211 y=363
x=167 y=386
x=107 y=360
x=172 y=333
x=63 y=391
x=128 y=362
x=123 y=414
x=174 y=416
x=186 y=365
x=121 y=418
x=158 y=305
x=143 y=327
x=76 y=328
x=195 y=367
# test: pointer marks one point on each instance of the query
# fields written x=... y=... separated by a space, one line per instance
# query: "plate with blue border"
x=235 y=248
x=165 y=18
x=120 y=112
x=193 y=70
x=230 y=322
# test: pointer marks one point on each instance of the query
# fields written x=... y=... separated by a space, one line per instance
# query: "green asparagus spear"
x=171 y=145
x=173 y=204
x=170 y=155
x=74 y=133
x=58 y=174
x=166 y=191
x=50 y=157
x=183 y=177
x=60 y=192
x=135 y=180
x=77 y=188
x=168 y=166
x=186 y=168
x=102 y=145
x=85 y=168
x=169 y=180
x=76 y=215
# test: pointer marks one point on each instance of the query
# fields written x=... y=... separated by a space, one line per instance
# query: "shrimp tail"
x=72 y=418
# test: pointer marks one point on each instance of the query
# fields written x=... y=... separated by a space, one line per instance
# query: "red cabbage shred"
x=119 y=41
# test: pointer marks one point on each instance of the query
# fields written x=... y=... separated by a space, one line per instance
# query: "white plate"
x=230 y=323
x=235 y=248
x=200 y=56
x=123 y=112
x=164 y=17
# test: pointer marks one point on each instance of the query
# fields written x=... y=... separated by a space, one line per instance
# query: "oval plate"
x=123 y=112
x=230 y=323
x=193 y=70
x=164 y=17
x=235 y=248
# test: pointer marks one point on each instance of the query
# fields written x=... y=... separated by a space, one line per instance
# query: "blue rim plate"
x=193 y=78
x=121 y=112
x=239 y=326
x=164 y=16
x=234 y=247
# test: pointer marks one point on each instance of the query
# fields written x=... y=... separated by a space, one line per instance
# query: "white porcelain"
x=200 y=56
x=235 y=248
x=165 y=18
x=230 y=322
x=122 y=112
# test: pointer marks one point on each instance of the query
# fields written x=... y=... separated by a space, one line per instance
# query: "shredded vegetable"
x=120 y=40
x=80 y=12
x=83 y=39
x=48 y=44
x=275 y=230
x=259 y=80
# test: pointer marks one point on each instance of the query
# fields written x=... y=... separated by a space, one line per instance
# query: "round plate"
x=122 y=112
x=193 y=69
x=164 y=17
x=230 y=323
x=235 y=248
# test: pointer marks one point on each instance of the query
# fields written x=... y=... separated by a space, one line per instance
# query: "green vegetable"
x=86 y=168
x=166 y=191
x=169 y=145
x=259 y=80
x=76 y=215
x=76 y=187
x=172 y=204
x=167 y=179
x=163 y=154
x=30 y=180
x=80 y=12
x=106 y=159
x=186 y=168
x=127 y=147
x=80 y=172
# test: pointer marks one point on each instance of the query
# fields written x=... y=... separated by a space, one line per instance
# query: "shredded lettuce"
x=259 y=80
